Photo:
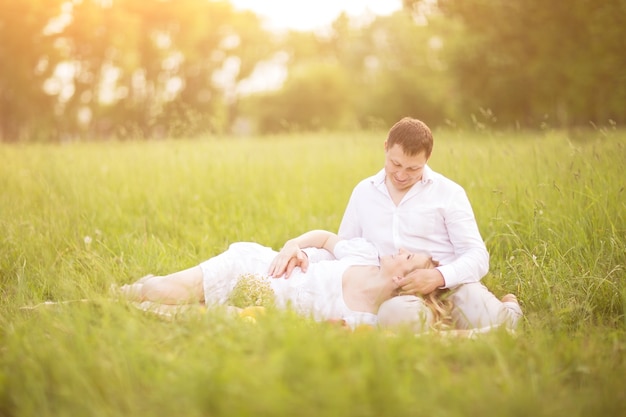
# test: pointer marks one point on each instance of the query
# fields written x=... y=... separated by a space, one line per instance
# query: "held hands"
x=289 y=257
x=420 y=282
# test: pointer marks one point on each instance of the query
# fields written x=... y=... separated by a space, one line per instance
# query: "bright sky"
x=312 y=14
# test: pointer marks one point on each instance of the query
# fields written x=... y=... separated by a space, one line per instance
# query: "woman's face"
x=404 y=262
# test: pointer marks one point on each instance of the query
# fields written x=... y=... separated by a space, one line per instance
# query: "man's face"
x=402 y=170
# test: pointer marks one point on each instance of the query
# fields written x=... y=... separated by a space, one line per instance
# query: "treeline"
x=94 y=69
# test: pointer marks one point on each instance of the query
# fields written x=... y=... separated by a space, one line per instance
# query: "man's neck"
x=395 y=194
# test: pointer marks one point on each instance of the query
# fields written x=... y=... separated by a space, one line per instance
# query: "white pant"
x=474 y=307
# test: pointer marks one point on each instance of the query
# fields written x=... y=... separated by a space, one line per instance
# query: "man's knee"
x=474 y=306
x=405 y=311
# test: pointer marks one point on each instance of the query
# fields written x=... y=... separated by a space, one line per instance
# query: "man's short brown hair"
x=412 y=135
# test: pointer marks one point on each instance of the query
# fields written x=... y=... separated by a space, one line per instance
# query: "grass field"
x=76 y=218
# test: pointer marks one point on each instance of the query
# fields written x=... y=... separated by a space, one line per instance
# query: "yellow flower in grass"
x=252 y=312
x=364 y=328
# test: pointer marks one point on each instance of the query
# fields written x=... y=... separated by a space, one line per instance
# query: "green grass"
x=76 y=218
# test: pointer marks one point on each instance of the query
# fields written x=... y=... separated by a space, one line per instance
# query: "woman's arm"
x=291 y=255
x=321 y=239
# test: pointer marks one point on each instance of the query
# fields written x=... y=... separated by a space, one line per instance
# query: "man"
x=407 y=205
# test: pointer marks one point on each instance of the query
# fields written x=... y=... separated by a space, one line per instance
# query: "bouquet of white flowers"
x=252 y=290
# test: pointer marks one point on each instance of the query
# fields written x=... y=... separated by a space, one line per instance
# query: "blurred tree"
x=315 y=96
x=220 y=48
x=101 y=44
x=123 y=68
x=401 y=70
x=28 y=31
x=531 y=62
x=384 y=69
x=173 y=65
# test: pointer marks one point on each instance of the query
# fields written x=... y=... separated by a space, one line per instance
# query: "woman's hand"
x=289 y=257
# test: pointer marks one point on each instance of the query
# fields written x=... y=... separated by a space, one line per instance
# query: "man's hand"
x=289 y=257
x=421 y=282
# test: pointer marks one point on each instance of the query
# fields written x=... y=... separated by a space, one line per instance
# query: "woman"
x=350 y=288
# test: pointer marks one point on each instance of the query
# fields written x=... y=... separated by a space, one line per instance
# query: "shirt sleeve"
x=317 y=254
x=472 y=259
x=349 y=227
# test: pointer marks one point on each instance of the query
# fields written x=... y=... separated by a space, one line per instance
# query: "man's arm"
x=472 y=259
x=349 y=227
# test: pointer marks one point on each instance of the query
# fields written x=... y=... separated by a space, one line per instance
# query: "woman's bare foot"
x=131 y=292
x=509 y=298
x=144 y=279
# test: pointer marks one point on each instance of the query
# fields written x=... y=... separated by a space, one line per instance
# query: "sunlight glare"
x=309 y=15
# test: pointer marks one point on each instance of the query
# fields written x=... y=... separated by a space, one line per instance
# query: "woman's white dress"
x=317 y=293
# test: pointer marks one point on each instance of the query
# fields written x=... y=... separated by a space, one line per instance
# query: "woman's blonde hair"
x=439 y=304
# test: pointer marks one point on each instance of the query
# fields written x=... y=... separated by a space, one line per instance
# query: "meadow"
x=76 y=218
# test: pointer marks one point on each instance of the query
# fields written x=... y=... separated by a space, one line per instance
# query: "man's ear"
x=386 y=148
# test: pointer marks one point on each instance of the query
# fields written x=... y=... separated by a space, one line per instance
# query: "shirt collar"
x=427 y=177
x=379 y=178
